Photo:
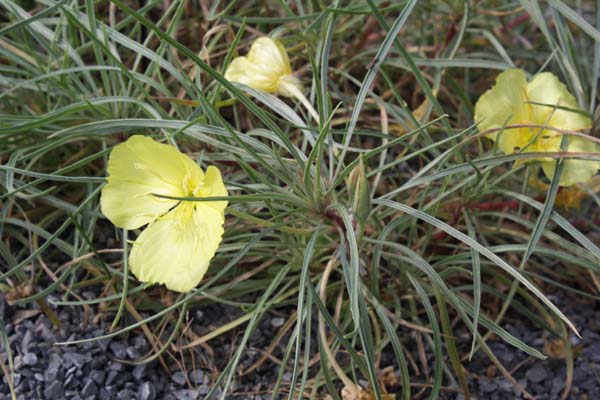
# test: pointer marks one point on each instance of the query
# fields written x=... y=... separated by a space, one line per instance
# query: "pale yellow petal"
x=575 y=170
x=270 y=55
x=139 y=168
x=546 y=88
x=264 y=67
x=287 y=68
x=213 y=186
x=505 y=104
x=129 y=205
x=176 y=249
x=243 y=71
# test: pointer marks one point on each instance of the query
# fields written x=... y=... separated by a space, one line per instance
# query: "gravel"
x=277 y=322
x=537 y=373
x=545 y=379
x=146 y=391
x=30 y=359
x=54 y=390
x=89 y=389
x=197 y=376
x=89 y=371
x=179 y=378
x=102 y=370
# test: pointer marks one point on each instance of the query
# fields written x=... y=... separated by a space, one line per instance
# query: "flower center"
x=191 y=184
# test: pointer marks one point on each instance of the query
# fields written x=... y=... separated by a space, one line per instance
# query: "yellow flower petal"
x=571 y=197
x=575 y=170
x=243 y=71
x=139 y=168
x=546 y=88
x=511 y=100
x=267 y=68
x=270 y=55
x=505 y=104
x=176 y=249
x=213 y=186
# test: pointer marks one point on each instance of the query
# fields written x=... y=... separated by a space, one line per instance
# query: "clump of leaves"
x=450 y=239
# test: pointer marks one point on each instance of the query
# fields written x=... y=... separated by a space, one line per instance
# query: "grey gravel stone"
x=277 y=322
x=123 y=378
x=186 y=395
x=179 y=378
x=27 y=340
x=71 y=382
x=115 y=366
x=126 y=394
x=204 y=389
x=594 y=351
x=197 y=376
x=45 y=333
x=71 y=371
x=102 y=343
x=111 y=377
x=105 y=394
x=132 y=353
x=139 y=372
x=558 y=385
x=590 y=385
x=79 y=360
x=89 y=389
x=574 y=340
x=140 y=343
x=487 y=386
x=536 y=374
x=98 y=376
x=18 y=362
x=119 y=350
x=52 y=371
x=146 y=391
x=30 y=359
x=505 y=385
x=54 y=390
x=507 y=357
x=17 y=380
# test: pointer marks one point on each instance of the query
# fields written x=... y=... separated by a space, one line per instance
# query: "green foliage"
x=431 y=227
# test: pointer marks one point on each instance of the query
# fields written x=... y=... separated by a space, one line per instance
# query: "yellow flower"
x=514 y=101
x=182 y=236
x=267 y=68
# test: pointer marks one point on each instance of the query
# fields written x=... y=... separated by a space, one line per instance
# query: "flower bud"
x=358 y=191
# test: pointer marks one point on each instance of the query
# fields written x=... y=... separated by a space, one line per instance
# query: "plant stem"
x=330 y=357
x=297 y=93
x=268 y=224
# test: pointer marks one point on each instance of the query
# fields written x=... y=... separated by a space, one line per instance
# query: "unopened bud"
x=358 y=191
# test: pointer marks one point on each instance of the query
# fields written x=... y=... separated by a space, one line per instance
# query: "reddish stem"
x=515 y=22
